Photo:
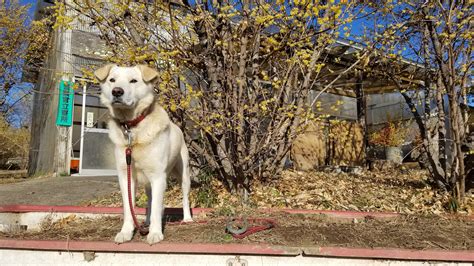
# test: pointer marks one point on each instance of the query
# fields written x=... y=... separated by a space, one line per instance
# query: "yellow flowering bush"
x=235 y=75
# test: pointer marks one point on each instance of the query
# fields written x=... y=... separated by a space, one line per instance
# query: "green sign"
x=65 y=104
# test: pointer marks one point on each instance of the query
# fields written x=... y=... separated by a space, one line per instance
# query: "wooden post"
x=35 y=130
x=64 y=134
x=44 y=133
x=361 y=100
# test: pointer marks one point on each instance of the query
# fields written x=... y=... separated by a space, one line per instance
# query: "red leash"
x=141 y=228
x=245 y=231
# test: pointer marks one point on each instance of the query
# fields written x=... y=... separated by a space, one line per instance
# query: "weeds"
x=206 y=196
x=14 y=143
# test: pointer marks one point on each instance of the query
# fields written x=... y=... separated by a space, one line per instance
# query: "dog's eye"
x=112 y=80
x=133 y=81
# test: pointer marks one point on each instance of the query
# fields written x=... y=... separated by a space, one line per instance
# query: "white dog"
x=157 y=143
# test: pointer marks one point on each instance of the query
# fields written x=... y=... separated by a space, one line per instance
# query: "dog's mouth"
x=117 y=101
x=121 y=104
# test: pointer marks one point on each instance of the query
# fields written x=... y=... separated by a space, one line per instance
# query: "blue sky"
x=16 y=117
x=30 y=2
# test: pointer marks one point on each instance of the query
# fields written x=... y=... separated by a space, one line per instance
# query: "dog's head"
x=126 y=87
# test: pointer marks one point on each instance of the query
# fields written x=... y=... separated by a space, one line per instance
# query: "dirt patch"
x=13 y=176
x=406 y=231
x=18 y=176
x=11 y=180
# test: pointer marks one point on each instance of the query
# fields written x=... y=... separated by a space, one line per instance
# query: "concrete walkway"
x=62 y=190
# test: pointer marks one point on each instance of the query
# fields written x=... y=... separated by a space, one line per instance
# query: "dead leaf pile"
x=396 y=191
x=402 y=191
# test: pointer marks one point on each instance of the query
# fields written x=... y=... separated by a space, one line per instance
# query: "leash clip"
x=128 y=150
x=237 y=231
x=128 y=132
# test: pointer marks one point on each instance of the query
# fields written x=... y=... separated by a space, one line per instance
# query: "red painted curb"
x=75 y=209
x=119 y=210
x=240 y=249
x=81 y=209
x=339 y=214
x=177 y=211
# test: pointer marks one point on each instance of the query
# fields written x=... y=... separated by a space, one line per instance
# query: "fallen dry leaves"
x=402 y=191
x=390 y=191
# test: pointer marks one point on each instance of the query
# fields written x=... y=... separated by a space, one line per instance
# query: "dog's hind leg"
x=182 y=167
x=149 y=196
x=148 y=205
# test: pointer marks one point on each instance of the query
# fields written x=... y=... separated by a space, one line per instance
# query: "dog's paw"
x=123 y=237
x=154 y=238
x=187 y=219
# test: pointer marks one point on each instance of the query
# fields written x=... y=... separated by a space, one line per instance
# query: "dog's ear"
x=148 y=73
x=102 y=73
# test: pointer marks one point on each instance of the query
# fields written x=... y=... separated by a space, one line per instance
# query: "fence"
x=332 y=142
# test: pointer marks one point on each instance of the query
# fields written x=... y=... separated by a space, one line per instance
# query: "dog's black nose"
x=117 y=92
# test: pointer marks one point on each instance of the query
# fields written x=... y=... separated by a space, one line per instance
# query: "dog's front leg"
x=128 y=227
x=158 y=187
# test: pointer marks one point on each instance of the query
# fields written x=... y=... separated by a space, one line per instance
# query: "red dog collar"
x=134 y=122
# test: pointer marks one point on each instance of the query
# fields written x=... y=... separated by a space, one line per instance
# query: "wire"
x=80 y=138
x=57 y=93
